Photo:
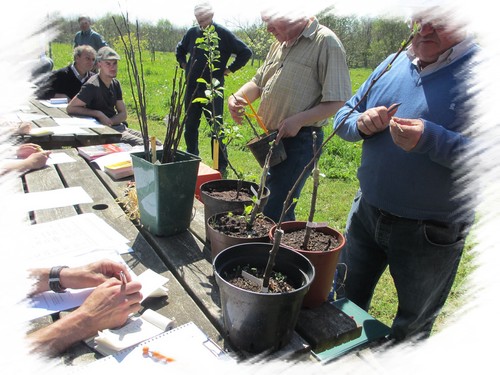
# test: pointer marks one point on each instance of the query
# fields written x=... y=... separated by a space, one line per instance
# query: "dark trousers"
x=282 y=177
x=422 y=256
x=193 y=120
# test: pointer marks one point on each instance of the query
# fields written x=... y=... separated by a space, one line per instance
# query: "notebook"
x=187 y=347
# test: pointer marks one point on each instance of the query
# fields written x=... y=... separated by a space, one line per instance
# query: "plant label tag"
x=251 y=278
x=316 y=225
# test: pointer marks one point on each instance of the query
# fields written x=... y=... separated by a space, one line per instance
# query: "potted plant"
x=238 y=225
x=230 y=228
x=258 y=318
x=257 y=321
x=318 y=242
x=165 y=179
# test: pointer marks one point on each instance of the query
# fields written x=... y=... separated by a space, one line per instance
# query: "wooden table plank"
x=92 y=136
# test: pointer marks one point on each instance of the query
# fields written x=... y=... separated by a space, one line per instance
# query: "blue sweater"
x=420 y=184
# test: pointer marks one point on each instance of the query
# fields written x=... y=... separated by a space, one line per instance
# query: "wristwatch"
x=54 y=279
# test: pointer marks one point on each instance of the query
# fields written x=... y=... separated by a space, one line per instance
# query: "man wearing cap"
x=101 y=97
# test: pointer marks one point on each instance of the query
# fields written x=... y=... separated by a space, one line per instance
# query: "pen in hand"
x=123 y=279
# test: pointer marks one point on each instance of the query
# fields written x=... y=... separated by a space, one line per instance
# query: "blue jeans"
x=281 y=178
x=193 y=123
x=422 y=256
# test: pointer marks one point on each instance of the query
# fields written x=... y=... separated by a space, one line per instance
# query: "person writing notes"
x=29 y=156
x=109 y=305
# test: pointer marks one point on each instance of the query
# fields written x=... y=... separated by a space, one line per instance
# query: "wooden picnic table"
x=180 y=304
x=84 y=137
x=184 y=258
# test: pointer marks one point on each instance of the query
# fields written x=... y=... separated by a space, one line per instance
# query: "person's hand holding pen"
x=109 y=305
x=87 y=276
x=27 y=149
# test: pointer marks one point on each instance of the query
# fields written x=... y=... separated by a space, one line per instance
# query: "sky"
x=460 y=348
x=226 y=11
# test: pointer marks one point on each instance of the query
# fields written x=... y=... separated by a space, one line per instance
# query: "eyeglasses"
x=420 y=23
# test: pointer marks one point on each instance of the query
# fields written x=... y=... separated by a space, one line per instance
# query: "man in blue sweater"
x=410 y=213
x=196 y=67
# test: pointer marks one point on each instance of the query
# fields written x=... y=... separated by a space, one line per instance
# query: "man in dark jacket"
x=196 y=67
x=87 y=36
x=67 y=82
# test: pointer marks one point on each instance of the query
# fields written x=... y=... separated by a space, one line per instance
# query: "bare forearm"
x=119 y=118
x=60 y=335
x=320 y=112
x=251 y=91
x=82 y=111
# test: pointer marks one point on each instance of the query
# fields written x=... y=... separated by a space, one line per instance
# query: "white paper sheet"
x=52 y=198
x=59 y=158
x=47 y=103
x=74 y=235
x=81 y=122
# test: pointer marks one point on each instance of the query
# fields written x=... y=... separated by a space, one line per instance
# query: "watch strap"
x=54 y=279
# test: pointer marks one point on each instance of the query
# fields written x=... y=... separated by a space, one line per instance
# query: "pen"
x=123 y=279
x=156 y=355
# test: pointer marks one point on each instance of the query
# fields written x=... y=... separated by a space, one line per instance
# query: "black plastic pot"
x=259 y=146
x=258 y=322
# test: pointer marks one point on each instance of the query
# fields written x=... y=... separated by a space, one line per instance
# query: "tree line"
x=367 y=40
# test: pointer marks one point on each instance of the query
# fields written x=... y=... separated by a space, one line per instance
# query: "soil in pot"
x=228 y=195
x=318 y=241
x=233 y=195
x=277 y=281
x=230 y=228
x=235 y=225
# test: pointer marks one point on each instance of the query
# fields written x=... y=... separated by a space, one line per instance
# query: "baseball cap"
x=107 y=53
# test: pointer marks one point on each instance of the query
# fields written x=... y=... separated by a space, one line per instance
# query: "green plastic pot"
x=165 y=192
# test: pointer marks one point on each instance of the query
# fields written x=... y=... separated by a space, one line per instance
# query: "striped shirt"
x=296 y=78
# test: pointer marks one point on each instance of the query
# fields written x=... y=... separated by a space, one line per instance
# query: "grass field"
x=338 y=163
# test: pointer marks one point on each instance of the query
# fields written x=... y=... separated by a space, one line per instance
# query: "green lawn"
x=338 y=163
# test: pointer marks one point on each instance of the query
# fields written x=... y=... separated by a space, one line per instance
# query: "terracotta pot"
x=324 y=262
x=220 y=241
